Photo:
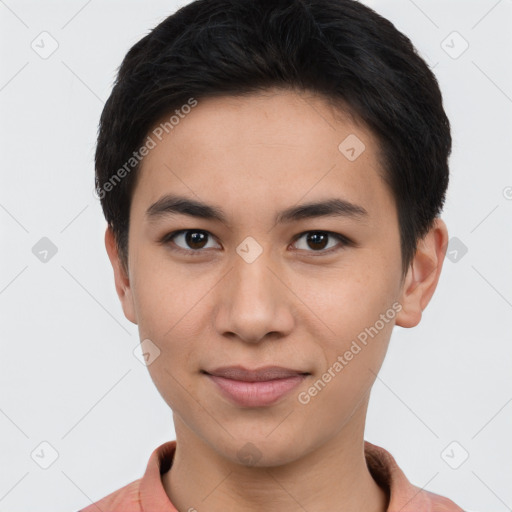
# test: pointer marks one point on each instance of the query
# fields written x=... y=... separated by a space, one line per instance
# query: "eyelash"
x=166 y=239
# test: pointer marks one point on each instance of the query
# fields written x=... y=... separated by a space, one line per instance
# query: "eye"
x=318 y=241
x=191 y=240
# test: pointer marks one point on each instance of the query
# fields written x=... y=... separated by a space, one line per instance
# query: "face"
x=258 y=277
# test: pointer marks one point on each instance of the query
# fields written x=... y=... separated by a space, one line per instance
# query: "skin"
x=294 y=306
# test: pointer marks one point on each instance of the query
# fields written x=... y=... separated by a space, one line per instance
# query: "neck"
x=334 y=476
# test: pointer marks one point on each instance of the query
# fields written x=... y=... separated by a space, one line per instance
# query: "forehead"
x=262 y=150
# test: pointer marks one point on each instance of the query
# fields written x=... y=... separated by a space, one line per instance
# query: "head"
x=235 y=119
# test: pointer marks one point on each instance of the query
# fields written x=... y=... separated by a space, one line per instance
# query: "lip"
x=255 y=388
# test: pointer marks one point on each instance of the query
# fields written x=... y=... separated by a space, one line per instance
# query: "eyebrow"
x=181 y=205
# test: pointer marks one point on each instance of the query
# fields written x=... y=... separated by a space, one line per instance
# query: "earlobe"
x=423 y=275
x=121 y=278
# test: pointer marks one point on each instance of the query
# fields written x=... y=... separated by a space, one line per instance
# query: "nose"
x=254 y=303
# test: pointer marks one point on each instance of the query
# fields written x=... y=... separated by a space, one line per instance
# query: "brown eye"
x=196 y=239
x=320 y=241
x=189 y=240
x=317 y=240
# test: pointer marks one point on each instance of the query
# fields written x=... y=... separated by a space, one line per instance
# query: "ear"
x=121 y=278
x=423 y=275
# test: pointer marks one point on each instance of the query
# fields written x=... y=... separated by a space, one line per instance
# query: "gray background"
x=68 y=374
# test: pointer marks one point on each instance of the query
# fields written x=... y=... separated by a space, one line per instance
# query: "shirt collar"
x=403 y=496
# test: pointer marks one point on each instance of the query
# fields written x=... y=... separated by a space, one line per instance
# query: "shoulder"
x=146 y=493
x=125 y=499
x=440 y=503
x=403 y=495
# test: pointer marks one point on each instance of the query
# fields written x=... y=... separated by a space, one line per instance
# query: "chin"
x=259 y=450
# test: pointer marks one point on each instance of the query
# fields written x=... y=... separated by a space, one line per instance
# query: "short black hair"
x=339 y=49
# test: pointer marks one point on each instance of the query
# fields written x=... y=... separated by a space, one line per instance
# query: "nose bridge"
x=253 y=301
x=254 y=282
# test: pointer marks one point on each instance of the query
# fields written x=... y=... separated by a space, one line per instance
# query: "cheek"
x=357 y=319
x=351 y=360
x=169 y=308
x=174 y=307
x=164 y=294
x=346 y=300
